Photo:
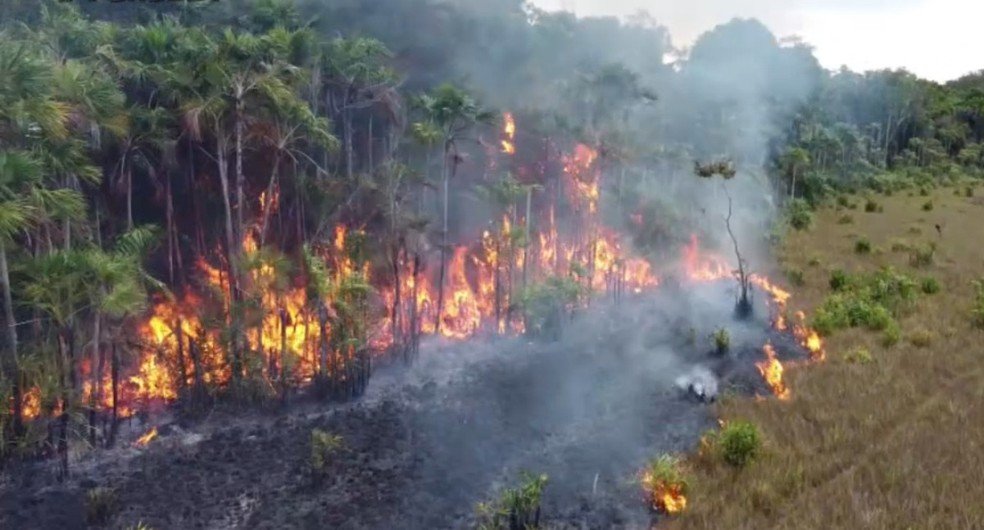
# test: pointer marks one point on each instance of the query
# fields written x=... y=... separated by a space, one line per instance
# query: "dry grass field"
x=894 y=442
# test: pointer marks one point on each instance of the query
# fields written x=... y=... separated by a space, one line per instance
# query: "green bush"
x=892 y=335
x=929 y=285
x=843 y=201
x=900 y=245
x=664 y=478
x=324 y=447
x=977 y=310
x=795 y=277
x=921 y=338
x=845 y=219
x=722 y=341
x=800 y=216
x=968 y=191
x=922 y=256
x=862 y=246
x=516 y=508
x=100 y=506
x=739 y=442
x=858 y=355
x=869 y=301
x=927 y=206
x=871 y=206
x=544 y=305
x=839 y=280
x=924 y=192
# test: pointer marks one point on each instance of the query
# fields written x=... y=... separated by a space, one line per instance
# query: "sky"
x=935 y=39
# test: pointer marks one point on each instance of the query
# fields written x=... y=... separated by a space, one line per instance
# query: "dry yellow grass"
x=896 y=443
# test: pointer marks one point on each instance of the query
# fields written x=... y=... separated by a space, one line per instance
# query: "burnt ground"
x=428 y=442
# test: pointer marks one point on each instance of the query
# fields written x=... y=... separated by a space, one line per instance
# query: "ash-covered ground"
x=428 y=442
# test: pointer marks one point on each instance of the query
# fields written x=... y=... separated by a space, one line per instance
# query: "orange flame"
x=771 y=370
x=509 y=130
x=665 y=498
x=144 y=440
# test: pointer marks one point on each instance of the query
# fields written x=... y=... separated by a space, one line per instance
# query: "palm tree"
x=454 y=112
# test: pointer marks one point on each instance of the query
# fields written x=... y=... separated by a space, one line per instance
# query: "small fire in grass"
x=144 y=440
x=665 y=485
x=771 y=370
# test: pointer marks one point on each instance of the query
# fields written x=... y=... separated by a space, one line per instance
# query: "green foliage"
x=843 y=201
x=516 y=508
x=871 y=301
x=862 y=246
x=544 y=304
x=721 y=340
x=930 y=285
x=892 y=335
x=739 y=442
x=924 y=192
x=845 y=219
x=800 y=216
x=927 y=206
x=871 y=206
x=100 y=505
x=922 y=256
x=858 y=355
x=969 y=191
x=324 y=447
x=977 y=309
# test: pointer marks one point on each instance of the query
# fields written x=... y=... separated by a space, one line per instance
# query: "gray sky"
x=937 y=39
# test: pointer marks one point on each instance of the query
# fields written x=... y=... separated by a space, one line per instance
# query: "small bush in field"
x=927 y=206
x=324 y=447
x=858 y=355
x=871 y=206
x=929 y=285
x=845 y=219
x=843 y=201
x=924 y=192
x=665 y=484
x=838 y=280
x=900 y=245
x=977 y=310
x=862 y=246
x=516 y=508
x=892 y=336
x=722 y=341
x=100 y=505
x=800 y=217
x=921 y=338
x=795 y=277
x=814 y=261
x=922 y=256
x=739 y=442
x=968 y=192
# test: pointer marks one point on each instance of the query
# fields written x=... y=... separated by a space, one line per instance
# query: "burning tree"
x=727 y=171
x=665 y=485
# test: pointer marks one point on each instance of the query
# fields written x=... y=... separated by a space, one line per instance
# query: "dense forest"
x=238 y=201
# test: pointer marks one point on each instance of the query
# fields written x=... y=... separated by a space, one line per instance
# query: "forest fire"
x=509 y=130
x=664 y=486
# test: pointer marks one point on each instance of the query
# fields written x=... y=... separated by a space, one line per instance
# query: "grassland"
x=894 y=441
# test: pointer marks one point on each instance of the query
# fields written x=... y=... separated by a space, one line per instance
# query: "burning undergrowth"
x=428 y=442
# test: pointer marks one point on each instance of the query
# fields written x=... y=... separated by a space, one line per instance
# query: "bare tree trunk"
x=232 y=255
x=744 y=306
x=11 y=364
x=444 y=239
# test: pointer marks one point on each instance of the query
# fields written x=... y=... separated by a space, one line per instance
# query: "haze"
x=931 y=38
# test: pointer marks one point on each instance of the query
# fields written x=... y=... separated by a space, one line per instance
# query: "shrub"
x=977 y=311
x=739 y=442
x=545 y=304
x=858 y=355
x=924 y=192
x=862 y=246
x=799 y=214
x=839 y=279
x=915 y=230
x=100 y=505
x=845 y=219
x=795 y=277
x=516 y=508
x=722 y=341
x=843 y=201
x=927 y=206
x=871 y=206
x=814 y=261
x=900 y=245
x=968 y=192
x=324 y=447
x=921 y=338
x=922 y=256
x=892 y=336
x=929 y=285
x=665 y=484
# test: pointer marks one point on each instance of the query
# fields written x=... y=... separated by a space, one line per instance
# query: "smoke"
x=587 y=410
